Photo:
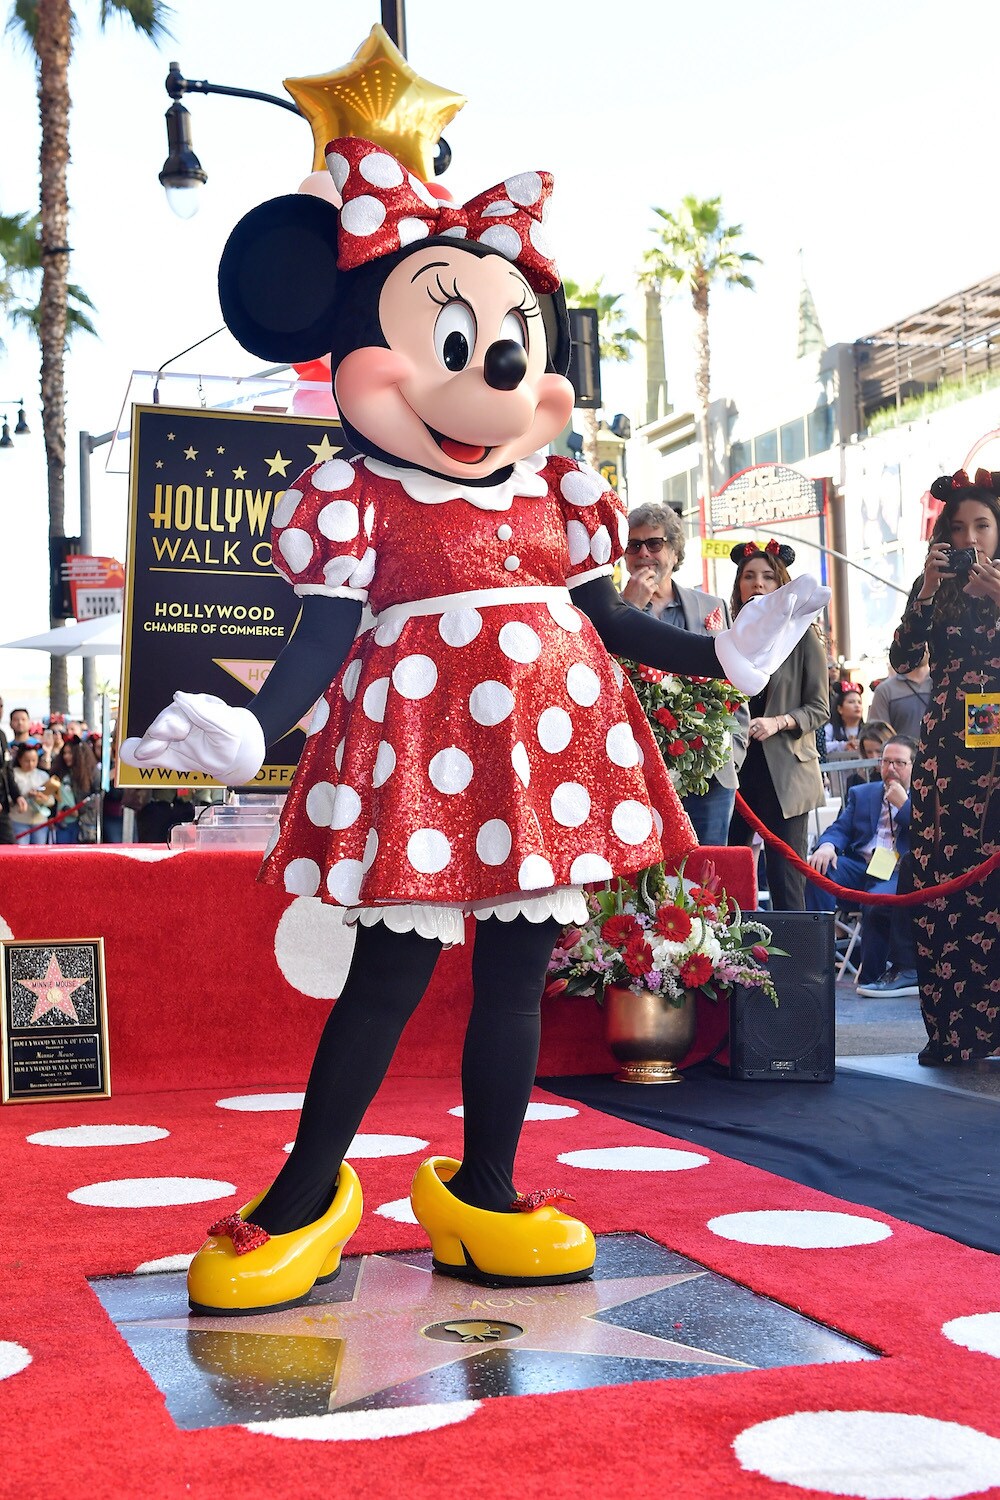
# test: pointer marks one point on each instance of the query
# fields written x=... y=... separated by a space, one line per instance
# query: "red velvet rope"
x=868 y=898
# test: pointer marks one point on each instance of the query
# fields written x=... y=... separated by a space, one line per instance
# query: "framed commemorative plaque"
x=53 y=1020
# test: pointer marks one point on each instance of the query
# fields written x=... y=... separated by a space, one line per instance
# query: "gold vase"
x=647 y=1034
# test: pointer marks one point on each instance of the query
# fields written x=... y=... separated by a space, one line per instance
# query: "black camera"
x=961 y=560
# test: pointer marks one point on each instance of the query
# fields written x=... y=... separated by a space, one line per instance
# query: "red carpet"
x=90 y=1421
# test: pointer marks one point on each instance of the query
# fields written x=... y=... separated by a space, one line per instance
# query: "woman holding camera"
x=954 y=608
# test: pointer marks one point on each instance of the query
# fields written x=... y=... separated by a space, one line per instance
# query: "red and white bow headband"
x=386 y=208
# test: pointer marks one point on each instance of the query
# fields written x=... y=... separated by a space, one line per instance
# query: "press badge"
x=882 y=864
x=982 y=720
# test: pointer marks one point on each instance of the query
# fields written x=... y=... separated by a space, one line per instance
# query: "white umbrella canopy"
x=100 y=637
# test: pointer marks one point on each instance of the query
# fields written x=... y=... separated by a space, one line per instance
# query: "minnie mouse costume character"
x=473 y=752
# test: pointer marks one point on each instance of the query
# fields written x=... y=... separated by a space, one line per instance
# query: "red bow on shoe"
x=386 y=208
x=245 y=1235
x=526 y=1203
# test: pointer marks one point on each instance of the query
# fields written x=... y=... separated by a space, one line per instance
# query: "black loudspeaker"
x=794 y=1040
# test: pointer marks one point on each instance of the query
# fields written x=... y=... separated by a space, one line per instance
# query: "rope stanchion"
x=868 y=898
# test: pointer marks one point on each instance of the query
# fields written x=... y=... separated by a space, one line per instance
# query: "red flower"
x=703 y=898
x=700 y=708
x=620 y=930
x=677 y=747
x=759 y=952
x=697 y=743
x=665 y=717
x=554 y=987
x=695 y=971
x=673 y=923
x=638 y=956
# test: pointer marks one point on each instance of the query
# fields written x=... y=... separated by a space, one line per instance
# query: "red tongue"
x=463 y=453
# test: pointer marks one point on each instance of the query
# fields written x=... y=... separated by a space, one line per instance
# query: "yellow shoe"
x=515 y=1249
x=236 y=1273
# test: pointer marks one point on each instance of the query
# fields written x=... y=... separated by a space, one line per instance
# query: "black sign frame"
x=60 y=1051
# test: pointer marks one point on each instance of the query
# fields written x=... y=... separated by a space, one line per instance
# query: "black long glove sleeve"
x=308 y=664
x=628 y=632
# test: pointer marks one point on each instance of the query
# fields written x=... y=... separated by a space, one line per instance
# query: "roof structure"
x=958 y=337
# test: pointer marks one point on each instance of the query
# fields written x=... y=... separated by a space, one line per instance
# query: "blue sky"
x=858 y=133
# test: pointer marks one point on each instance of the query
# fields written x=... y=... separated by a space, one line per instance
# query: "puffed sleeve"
x=595 y=521
x=320 y=533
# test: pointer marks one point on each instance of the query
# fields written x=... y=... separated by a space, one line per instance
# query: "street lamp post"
x=87 y=445
x=21 y=428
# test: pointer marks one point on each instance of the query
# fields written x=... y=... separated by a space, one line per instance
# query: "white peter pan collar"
x=433 y=489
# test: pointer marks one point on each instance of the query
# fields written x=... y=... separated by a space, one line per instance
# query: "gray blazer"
x=696 y=607
x=800 y=687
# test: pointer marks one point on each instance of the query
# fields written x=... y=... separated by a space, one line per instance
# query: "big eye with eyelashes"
x=513 y=328
x=455 y=335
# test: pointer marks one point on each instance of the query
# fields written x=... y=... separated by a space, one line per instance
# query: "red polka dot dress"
x=479 y=749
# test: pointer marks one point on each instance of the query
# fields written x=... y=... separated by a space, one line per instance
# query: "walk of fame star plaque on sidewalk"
x=53 y=1020
x=389 y=1333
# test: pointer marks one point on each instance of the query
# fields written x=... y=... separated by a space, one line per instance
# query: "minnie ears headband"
x=386 y=208
x=944 y=488
x=842 y=688
x=743 y=551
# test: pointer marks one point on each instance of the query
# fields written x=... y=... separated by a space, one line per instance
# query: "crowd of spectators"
x=50 y=783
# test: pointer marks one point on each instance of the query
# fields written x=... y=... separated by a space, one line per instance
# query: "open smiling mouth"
x=461 y=453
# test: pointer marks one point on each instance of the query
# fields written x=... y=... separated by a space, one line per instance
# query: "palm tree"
x=47 y=28
x=20 y=271
x=616 y=340
x=694 y=249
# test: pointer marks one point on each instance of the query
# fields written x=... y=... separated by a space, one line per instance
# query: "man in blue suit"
x=862 y=850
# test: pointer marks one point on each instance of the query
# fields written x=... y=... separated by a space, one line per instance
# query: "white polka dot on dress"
x=493 y=842
x=570 y=804
x=535 y=874
x=582 y=486
x=338 y=754
x=600 y=545
x=620 y=745
x=343 y=881
x=428 y=851
x=450 y=771
x=490 y=703
x=632 y=822
x=589 y=867
x=319 y=803
x=414 y=676
x=349 y=681
x=565 y=615
x=346 y=808
x=388 y=633
x=339 y=520
x=296 y=547
x=320 y=715
x=371 y=850
x=519 y=642
x=385 y=763
x=457 y=627
x=374 y=699
x=335 y=474
x=583 y=684
x=555 y=730
x=522 y=765
x=286 y=507
x=361 y=576
x=301 y=877
x=577 y=541
x=338 y=570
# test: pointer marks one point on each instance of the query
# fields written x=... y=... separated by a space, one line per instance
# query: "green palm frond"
x=616 y=338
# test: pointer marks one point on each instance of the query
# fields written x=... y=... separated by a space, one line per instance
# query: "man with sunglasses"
x=655 y=550
x=865 y=850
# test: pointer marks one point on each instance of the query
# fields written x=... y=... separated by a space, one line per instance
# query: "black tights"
x=388 y=976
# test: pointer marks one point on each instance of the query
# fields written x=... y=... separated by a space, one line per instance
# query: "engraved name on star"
x=53 y=992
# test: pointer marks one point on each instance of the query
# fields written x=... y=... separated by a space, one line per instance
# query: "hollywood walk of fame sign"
x=389 y=1333
x=53 y=1021
x=205 y=611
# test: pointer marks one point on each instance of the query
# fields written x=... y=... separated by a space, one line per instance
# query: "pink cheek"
x=365 y=375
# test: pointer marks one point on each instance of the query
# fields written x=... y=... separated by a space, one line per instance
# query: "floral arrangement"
x=692 y=719
x=664 y=934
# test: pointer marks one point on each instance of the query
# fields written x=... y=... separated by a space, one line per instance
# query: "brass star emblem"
x=378 y=97
x=277 y=464
x=190 y=453
x=220 y=450
x=209 y=473
x=323 y=450
x=239 y=472
x=53 y=992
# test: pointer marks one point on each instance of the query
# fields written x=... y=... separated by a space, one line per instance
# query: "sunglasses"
x=652 y=544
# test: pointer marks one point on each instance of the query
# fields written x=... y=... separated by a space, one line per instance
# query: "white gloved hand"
x=767 y=630
x=198 y=732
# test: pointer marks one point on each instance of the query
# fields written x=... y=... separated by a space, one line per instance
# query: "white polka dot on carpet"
x=13 y=1358
x=150 y=1192
x=260 y=1103
x=979 y=1332
x=139 y=851
x=873 y=1454
x=399 y=1211
x=164 y=1263
x=367 y=1147
x=533 y=1112
x=799 y=1229
x=5 y=928
x=98 y=1135
x=358 y=1426
x=633 y=1159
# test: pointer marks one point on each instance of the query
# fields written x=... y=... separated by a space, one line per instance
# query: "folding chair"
x=847 y=938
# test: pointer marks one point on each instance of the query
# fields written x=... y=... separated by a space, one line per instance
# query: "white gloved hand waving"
x=767 y=630
x=198 y=732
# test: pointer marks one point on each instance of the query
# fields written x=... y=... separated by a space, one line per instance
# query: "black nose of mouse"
x=505 y=365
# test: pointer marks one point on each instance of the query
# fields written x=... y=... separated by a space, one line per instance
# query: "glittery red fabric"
x=480 y=753
x=386 y=207
x=526 y=1203
x=245 y=1235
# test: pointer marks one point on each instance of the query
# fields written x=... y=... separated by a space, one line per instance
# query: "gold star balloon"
x=378 y=97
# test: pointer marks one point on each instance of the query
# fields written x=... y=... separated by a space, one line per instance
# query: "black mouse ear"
x=278 y=278
x=555 y=319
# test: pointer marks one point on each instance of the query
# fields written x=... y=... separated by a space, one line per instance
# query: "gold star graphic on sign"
x=378 y=97
x=53 y=992
x=190 y=453
x=170 y=437
x=277 y=464
x=220 y=450
x=209 y=473
x=323 y=450
x=239 y=472
x=159 y=463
